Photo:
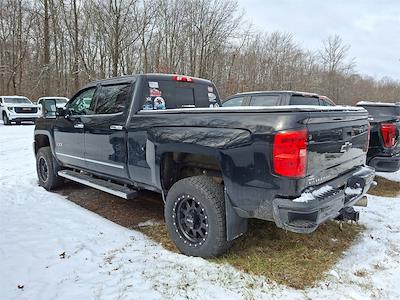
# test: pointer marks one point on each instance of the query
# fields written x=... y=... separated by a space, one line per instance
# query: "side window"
x=325 y=102
x=112 y=99
x=81 y=104
x=264 y=100
x=233 y=102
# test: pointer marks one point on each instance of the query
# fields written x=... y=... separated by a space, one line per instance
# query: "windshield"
x=20 y=100
x=58 y=100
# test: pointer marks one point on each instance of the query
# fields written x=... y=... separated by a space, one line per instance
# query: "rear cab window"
x=265 y=100
x=304 y=100
x=167 y=93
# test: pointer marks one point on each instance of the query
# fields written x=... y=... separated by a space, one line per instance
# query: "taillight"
x=182 y=78
x=290 y=153
x=388 y=132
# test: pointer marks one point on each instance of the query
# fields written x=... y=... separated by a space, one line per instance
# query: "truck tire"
x=195 y=217
x=6 y=120
x=47 y=168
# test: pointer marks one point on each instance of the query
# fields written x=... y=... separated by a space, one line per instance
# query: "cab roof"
x=148 y=76
x=372 y=103
x=55 y=97
x=280 y=92
x=15 y=97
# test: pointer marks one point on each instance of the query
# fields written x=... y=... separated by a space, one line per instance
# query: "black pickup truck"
x=215 y=167
x=384 y=145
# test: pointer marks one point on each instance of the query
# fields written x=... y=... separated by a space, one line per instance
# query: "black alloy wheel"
x=47 y=169
x=195 y=216
x=43 y=169
x=190 y=220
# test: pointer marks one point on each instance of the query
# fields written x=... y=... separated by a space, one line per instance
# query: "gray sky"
x=372 y=28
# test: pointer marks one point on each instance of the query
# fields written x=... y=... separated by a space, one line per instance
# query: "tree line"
x=52 y=47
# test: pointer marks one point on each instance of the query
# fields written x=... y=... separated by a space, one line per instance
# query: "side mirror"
x=49 y=108
x=61 y=112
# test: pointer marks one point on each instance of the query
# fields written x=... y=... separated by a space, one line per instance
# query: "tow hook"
x=348 y=214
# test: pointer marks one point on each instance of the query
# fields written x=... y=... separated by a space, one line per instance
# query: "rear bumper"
x=306 y=213
x=386 y=163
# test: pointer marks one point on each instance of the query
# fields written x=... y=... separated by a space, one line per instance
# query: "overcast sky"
x=372 y=28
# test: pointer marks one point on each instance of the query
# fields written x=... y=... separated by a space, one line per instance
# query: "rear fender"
x=210 y=142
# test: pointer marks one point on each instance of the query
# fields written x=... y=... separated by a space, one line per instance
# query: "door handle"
x=78 y=125
x=116 y=127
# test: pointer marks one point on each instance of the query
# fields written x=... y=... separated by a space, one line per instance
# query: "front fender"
x=49 y=136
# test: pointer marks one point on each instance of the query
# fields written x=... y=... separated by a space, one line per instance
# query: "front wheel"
x=6 y=120
x=47 y=168
x=195 y=216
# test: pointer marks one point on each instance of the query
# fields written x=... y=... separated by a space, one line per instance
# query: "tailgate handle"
x=116 y=127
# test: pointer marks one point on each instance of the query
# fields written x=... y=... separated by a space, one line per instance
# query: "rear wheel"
x=195 y=217
x=47 y=168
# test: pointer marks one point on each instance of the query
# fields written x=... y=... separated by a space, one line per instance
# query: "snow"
x=351 y=191
x=150 y=222
x=103 y=260
x=310 y=196
x=395 y=176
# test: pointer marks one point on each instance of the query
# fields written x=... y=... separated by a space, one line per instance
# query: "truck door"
x=69 y=130
x=105 y=132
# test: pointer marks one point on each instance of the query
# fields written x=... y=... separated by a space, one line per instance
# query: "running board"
x=100 y=184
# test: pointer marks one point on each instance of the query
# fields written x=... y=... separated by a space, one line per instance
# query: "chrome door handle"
x=78 y=125
x=116 y=127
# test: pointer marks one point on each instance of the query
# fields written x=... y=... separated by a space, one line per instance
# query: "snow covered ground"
x=391 y=176
x=58 y=250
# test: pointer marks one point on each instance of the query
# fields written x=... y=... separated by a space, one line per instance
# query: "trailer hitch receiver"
x=348 y=214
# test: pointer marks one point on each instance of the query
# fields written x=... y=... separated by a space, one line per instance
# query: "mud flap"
x=235 y=225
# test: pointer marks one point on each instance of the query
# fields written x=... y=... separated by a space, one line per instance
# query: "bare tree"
x=55 y=46
x=334 y=62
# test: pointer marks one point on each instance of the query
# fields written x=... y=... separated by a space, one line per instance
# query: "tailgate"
x=337 y=142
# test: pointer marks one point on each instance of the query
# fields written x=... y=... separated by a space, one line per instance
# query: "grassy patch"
x=292 y=259
x=159 y=234
x=385 y=188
